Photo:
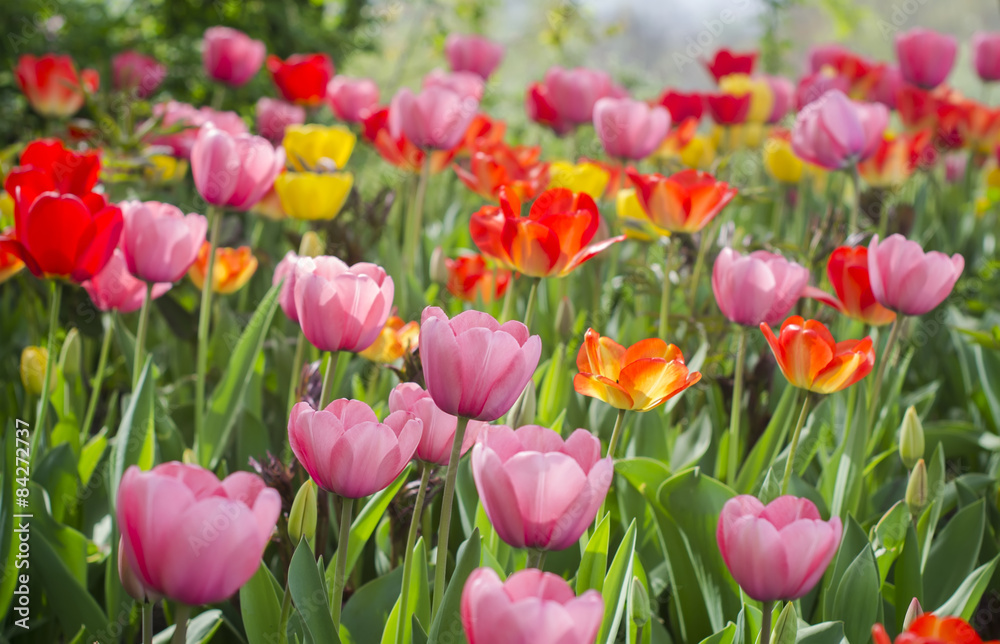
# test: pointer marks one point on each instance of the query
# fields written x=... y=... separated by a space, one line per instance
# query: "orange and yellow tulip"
x=515 y=166
x=681 y=203
x=233 y=268
x=811 y=359
x=895 y=159
x=395 y=340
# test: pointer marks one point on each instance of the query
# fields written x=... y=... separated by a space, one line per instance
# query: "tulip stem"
x=765 y=625
x=293 y=379
x=790 y=463
x=447 y=501
x=734 y=416
x=852 y=226
x=43 y=402
x=616 y=433
x=218 y=96
x=508 y=302
x=411 y=537
x=536 y=559
x=707 y=238
x=665 y=296
x=181 y=623
x=140 y=335
x=529 y=312
x=340 y=575
x=204 y=317
x=328 y=377
x=416 y=217
x=147 y=623
x=102 y=364
x=873 y=403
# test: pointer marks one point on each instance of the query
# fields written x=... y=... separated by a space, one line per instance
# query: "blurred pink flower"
x=115 y=289
x=134 y=71
x=473 y=53
x=925 y=56
x=986 y=55
x=159 y=241
x=630 y=129
x=234 y=171
x=835 y=132
x=230 y=56
x=187 y=119
x=755 y=288
x=436 y=118
x=274 y=115
x=352 y=99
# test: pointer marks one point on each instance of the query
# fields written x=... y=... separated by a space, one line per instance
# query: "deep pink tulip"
x=274 y=115
x=474 y=54
x=188 y=119
x=986 y=55
x=925 y=56
x=234 y=171
x=439 y=427
x=835 y=132
x=347 y=451
x=473 y=365
x=540 y=491
x=230 y=56
x=574 y=92
x=352 y=99
x=160 y=241
x=887 y=82
x=190 y=537
x=783 y=92
x=465 y=84
x=531 y=606
x=906 y=279
x=436 y=118
x=630 y=129
x=132 y=71
x=755 y=288
x=341 y=307
x=779 y=551
x=814 y=86
x=115 y=289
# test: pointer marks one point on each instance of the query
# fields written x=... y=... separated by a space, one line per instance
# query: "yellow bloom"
x=233 y=268
x=311 y=195
x=307 y=145
x=582 y=177
x=699 y=153
x=164 y=168
x=780 y=160
x=761 y=97
x=33 y=361
x=633 y=219
x=393 y=342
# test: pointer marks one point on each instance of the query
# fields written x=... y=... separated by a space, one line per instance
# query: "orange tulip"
x=400 y=152
x=483 y=132
x=681 y=203
x=931 y=629
x=811 y=359
x=10 y=264
x=395 y=340
x=469 y=278
x=639 y=378
x=499 y=165
x=551 y=241
x=895 y=159
x=847 y=269
x=233 y=268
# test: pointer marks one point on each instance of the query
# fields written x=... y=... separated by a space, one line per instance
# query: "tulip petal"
x=602 y=388
x=498 y=496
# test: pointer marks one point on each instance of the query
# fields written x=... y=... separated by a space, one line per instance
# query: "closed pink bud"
x=474 y=366
x=341 y=307
x=540 y=491
x=630 y=129
x=230 y=56
x=234 y=171
x=439 y=427
x=436 y=118
x=115 y=289
x=285 y=270
x=531 y=606
x=755 y=288
x=574 y=92
x=835 y=132
x=986 y=55
x=352 y=99
x=347 y=451
x=783 y=92
x=465 y=84
x=925 y=57
x=131 y=71
x=906 y=279
x=274 y=115
x=192 y=538
x=474 y=54
x=160 y=241
x=778 y=551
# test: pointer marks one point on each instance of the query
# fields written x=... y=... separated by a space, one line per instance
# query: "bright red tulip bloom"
x=683 y=106
x=114 y=288
x=52 y=84
x=302 y=78
x=234 y=171
x=516 y=167
x=847 y=270
x=469 y=278
x=230 y=56
x=917 y=107
x=630 y=129
x=399 y=150
x=160 y=242
x=906 y=279
x=48 y=166
x=931 y=629
x=132 y=71
x=986 y=56
x=755 y=288
x=436 y=118
x=352 y=99
x=727 y=109
x=473 y=53
x=681 y=203
x=556 y=236
x=811 y=359
x=438 y=427
x=274 y=115
x=925 y=56
x=728 y=62
x=835 y=132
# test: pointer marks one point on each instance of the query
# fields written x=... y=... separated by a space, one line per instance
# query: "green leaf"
x=260 y=607
x=907 y=575
x=594 y=564
x=767 y=447
x=367 y=610
x=616 y=587
x=200 y=629
x=955 y=553
x=137 y=422
x=964 y=601
x=823 y=633
x=646 y=475
x=447 y=626
x=56 y=472
x=309 y=595
x=227 y=399
x=852 y=543
x=786 y=627
x=857 y=599
x=725 y=636
x=418 y=605
x=91 y=455
x=890 y=536
x=77 y=607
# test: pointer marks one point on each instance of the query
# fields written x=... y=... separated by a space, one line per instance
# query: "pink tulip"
x=925 y=57
x=341 y=308
x=828 y=56
x=188 y=120
x=574 y=92
x=906 y=279
x=131 y=71
x=115 y=289
x=755 y=288
x=954 y=166
x=230 y=56
x=439 y=427
x=630 y=129
x=474 y=366
x=234 y=171
x=352 y=99
x=531 y=606
x=130 y=580
x=190 y=537
x=159 y=241
x=347 y=451
x=986 y=55
x=779 y=551
x=465 y=84
x=285 y=270
x=474 y=54
x=783 y=92
x=435 y=118
x=814 y=86
x=836 y=132
x=887 y=81
x=274 y=115
x=540 y=491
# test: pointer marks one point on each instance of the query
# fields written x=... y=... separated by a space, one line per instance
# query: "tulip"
x=786 y=538
x=911 y=438
x=681 y=203
x=629 y=129
x=190 y=537
x=398 y=149
x=352 y=99
x=311 y=196
x=531 y=606
x=465 y=84
x=131 y=71
x=566 y=98
x=160 y=243
x=233 y=171
x=848 y=272
x=759 y=287
x=698 y=153
x=114 y=288
x=925 y=57
x=916 y=490
x=813 y=86
x=906 y=279
x=439 y=428
x=954 y=167
x=811 y=359
x=10 y=264
x=540 y=109
x=728 y=62
x=539 y=491
x=683 y=106
x=394 y=341
x=884 y=82
x=783 y=97
x=469 y=278
x=46 y=165
x=516 y=167
x=33 y=367
x=230 y=56
x=174 y=115
x=779 y=159
x=895 y=159
x=302 y=78
x=986 y=56
x=275 y=115
x=586 y=177
x=727 y=109
x=284 y=274
x=930 y=629
x=232 y=269
x=311 y=147
x=483 y=133
x=52 y=85
x=759 y=90
x=436 y=118
x=341 y=307
x=835 y=132
x=474 y=54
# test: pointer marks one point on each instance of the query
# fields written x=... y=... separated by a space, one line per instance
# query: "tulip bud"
x=916 y=488
x=523 y=411
x=69 y=357
x=640 y=603
x=565 y=318
x=311 y=245
x=33 y=361
x=439 y=266
x=911 y=439
x=912 y=613
x=302 y=518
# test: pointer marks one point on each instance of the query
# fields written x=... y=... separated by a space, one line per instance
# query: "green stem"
x=616 y=433
x=508 y=302
x=737 y=408
x=328 y=377
x=147 y=623
x=665 y=296
x=447 y=501
x=286 y=612
x=790 y=463
x=873 y=403
x=140 y=335
x=255 y=234
x=706 y=241
x=765 y=627
x=346 y=514
x=529 y=312
x=218 y=96
x=181 y=616
x=293 y=379
x=416 y=216
x=411 y=539
x=855 y=212
x=43 y=402
x=536 y=559
x=102 y=364
x=204 y=318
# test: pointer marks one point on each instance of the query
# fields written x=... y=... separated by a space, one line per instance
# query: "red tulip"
x=470 y=278
x=52 y=85
x=541 y=110
x=931 y=629
x=48 y=166
x=896 y=158
x=681 y=203
x=683 y=106
x=302 y=78
x=133 y=71
x=566 y=98
x=847 y=269
x=501 y=165
x=882 y=84
x=728 y=62
x=483 y=132
x=727 y=109
x=10 y=264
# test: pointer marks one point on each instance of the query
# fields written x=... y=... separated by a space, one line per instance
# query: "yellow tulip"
x=633 y=219
x=393 y=342
x=311 y=196
x=306 y=146
x=698 y=153
x=780 y=160
x=761 y=96
x=582 y=177
x=164 y=168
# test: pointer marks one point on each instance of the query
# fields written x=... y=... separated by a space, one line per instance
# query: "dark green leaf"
x=309 y=595
x=261 y=607
x=447 y=626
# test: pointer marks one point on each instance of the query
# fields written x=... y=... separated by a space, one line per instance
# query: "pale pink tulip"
x=439 y=427
x=783 y=92
x=835 y=132
x=925 y=56
x=131 y=71
x=986 y=56
x=234 y=171
x=274 y=115
x=906 y=279
x=183 y=122
x=436 y=118
x=755 y=288
x=160 y=241
x=465 y=84
x=572 y=93
x=347 y=451
x=190 y=537
x=474 y=366
x=230 y=56
x=779 y=551
x=285 y=270
x=474 y=54
x=352 y=99
x=115 y=289
x=531 y=606
x=630 y=129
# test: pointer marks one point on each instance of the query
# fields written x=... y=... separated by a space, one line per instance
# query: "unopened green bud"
x=33 y=361
x=439 y=266
x=640 y=603
x=911 y=439
x=69 y=358
x=302 y=518
x=912 y=613
x=523 y=411
x=916 y=488
x=311 y=245
x=565 y=318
